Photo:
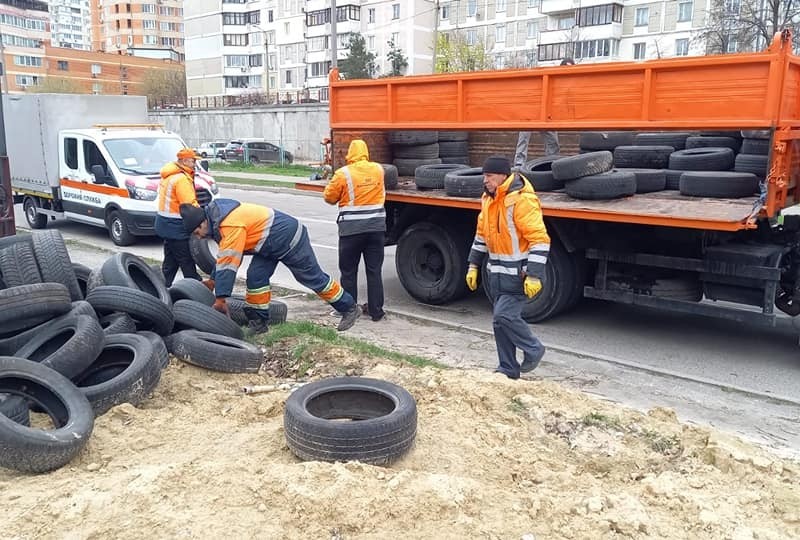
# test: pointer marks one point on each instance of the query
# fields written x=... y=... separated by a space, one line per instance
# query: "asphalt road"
x=758 y=360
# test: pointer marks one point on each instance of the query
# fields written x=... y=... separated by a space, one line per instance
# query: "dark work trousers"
x=511 y=332
x=351 y=249
x=177 y=255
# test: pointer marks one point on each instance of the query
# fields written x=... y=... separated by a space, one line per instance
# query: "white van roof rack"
x=106 y=127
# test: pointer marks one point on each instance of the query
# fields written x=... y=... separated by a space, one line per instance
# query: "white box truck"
x=92 y=159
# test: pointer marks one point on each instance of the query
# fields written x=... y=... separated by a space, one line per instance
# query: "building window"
x=642 y=16
x=733 y=7
x=148 y=24
x=472 y=8
x=254 y=81
x=288 y=76
x=150 y=40
x=500 y=33
x=97 y=88
x=238 y=40
x=499 y=61
x=597 y=15
x=253 y=17
x=444 y=12
x=236 y=60
x=566 y=22
x=395 y=11
x=596 y=48
x=371 y=15
x=286 y=28
x=269 y=16
x=236 y=81
x=500 y=7
x=27 y=80
x=318 y=17
x=320 y=43
x=685 y=11
x=239 y=19
x=733 y=45
x=63 y=65
x=371 y=43
x=96 y=69
x=31 y=61
x=319 y=69
x=639 y=50
x=682 y=47
x=148 y=8
x=472 y=36
x=256 y=60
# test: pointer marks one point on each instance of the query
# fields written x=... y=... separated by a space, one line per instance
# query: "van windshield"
x=144 y=155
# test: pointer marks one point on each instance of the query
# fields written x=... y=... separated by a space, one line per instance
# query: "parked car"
x=212 y=149
x=255 y=151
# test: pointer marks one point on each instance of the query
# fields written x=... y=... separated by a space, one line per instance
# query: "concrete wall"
x=303 y=126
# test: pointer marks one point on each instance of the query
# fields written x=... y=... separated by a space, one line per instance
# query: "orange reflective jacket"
x=176 y=188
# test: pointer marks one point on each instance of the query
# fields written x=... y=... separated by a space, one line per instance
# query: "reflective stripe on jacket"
x=244 y=228
x=358 y=189
x=511 y=232
x=176 y=188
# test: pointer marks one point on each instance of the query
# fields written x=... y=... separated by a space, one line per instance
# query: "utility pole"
x=334 y=44
x=265 y=36
x=435 y=36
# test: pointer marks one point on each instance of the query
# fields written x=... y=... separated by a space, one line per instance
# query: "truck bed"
x=663 y=208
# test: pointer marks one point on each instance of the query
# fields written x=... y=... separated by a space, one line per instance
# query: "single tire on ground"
x=37 y=450
x=126 y=371
x=648 y=180
x=384 y=426
x=27 y=306
x=18 y=265
x=389 y=176
x=668 y=138
x=191 y=315
x=407 y=167
x=570 y=168
x=719 y=184
x=608 y=185
x=149 y=312
x=117 y=323
x=642 y=157
x=539 y=173
x=128 y=270
x=204 y=252
x=431 y=262
x=702 y=159
x=464 y=183
x=604 y=140
x=278 y=311
x=432 y=176
x=215 y=352
x=191 y=289
x=54 y=262
x=412 y=138
x=422 y=151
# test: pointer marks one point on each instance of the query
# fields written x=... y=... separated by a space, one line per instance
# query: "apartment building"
x=149 y=28
x=25 y=27
x=71 y=24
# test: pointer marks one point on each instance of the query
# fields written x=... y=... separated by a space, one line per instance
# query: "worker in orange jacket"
x=271 y=236
x=511 y=233
x=359 y=191
x=176 y=188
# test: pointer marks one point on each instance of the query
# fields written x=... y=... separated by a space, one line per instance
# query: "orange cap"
x=184 y=153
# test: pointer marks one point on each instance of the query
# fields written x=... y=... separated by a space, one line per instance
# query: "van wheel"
x=118 y=230
x=34 y=219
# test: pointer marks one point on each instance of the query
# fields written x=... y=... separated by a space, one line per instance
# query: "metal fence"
x=247 y=99
x=303 y=151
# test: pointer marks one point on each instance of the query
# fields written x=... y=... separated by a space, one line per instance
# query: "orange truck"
x=737 y=259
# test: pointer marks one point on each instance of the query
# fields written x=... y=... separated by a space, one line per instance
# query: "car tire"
x=203 y=252
x=648 y=180
x=128 y=270
x=215 y=352
x=467 y=182
x=53 y=259
x=539 y=173
x=718 y=184
x=117 y=323
x=702 y=159
x=608 y=185
x=118 y=229
x=191 y=289
x=18 y=265
x=149 y=312
x=27 y=306
x=573 y=167
x=432 y=176
x=191 y=315
x=34 y=219
x=389 y=176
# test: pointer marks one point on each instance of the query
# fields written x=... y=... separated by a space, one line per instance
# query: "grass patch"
x=602 y=421
x=276 y=168
x=517 y=407
x=253 y=182
x=311 y=335
x=661 y=444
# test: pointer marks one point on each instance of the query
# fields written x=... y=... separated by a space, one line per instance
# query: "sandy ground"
x=493 y=459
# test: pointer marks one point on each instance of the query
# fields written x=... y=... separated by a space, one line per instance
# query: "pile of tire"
x=454 y=147
x=411 y=149
x=75 y=342
x=590 y=176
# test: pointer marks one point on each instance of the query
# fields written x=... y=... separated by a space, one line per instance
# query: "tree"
x=453 y=54
x=164 y=85
x=57 y=85
x=397 y=59
x=359 y=63
x=748 y=25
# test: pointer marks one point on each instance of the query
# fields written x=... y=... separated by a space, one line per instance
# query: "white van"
x=106 y=175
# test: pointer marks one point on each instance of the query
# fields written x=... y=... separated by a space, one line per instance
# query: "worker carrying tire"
x=271 y=236
x=512 y=234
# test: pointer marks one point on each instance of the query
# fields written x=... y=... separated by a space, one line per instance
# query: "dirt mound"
x=494 y=458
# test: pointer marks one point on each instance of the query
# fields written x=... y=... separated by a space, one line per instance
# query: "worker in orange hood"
x=176 y=188
x=359 y=191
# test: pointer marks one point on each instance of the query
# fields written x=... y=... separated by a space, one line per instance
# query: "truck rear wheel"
x=118 y=229
x=34 y=219
x=431 y=263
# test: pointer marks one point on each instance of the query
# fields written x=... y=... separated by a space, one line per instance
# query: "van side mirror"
x=204 y=164
x=100 y=174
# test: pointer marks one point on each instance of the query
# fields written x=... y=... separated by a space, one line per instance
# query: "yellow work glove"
x=533 y=286
x=472 y=277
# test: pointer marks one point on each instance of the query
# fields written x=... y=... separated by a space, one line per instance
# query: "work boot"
x=529 y=364
x=257 y=326
x=349 y=318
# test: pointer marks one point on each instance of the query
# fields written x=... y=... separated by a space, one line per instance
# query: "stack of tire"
x=75 y=355
x=454 y=147
x=590 y=176
x=412 y=149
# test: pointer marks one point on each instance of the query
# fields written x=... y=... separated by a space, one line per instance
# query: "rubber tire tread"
x=29 y=305
x=604 y=140
x=702 y=159
x=132 y=385
x=16 y=409
x=215 y=352
x=453 y=148
x=147 y=310
x=390 y=176
x=95 y=280
x=377 y=440
x=201 y=253
x=456 y=160
x=160 y=351
x=750 y=163
x=539 y=173
x=648 y=180
x=461 y=184
x=191 y=289
x=408 y=167
x=642 y=157
x=9 y=345
x=191 y=315
x=432 y=176
x=675 y=140
x=718 y=184
x=759 y=147
x=588 y=164
x=34 y=450
x=422 y=151
x=18 y=265
x=609 y=185
x=412 y=138
x=82 y=273
x=116 y=270
x=117 y=323
x=54 y=262
x=716 y=142
x=453 y=136
x=74 y=355
x=278 y=311
x=673 y=179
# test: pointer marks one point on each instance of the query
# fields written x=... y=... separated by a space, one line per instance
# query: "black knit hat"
x=497 y=165
x=192 y=216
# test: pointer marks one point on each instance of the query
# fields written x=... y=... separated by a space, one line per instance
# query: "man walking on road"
x=176 y=188
x=512 y=234
x=359 y=191
x=550 y=138
x=271 y=237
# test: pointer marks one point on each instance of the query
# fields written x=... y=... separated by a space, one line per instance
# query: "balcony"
x=550 y=7
x=579 y=33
